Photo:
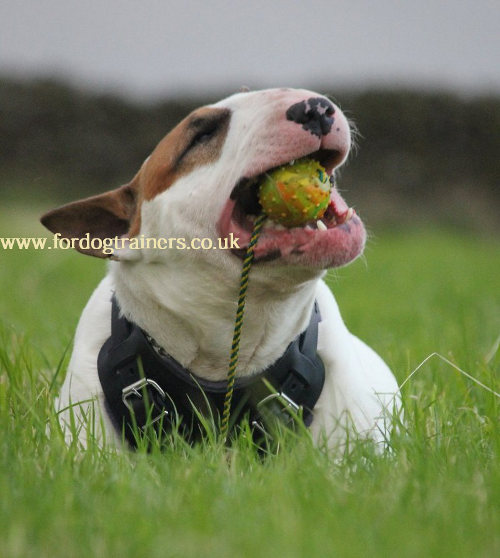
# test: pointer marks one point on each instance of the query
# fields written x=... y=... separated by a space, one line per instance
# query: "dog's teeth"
x=292 y=162
x=279 y=227
x=321 y=226
x=349 y=215
x=268 y=224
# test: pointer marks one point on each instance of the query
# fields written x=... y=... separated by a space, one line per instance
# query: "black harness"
x=144 y=385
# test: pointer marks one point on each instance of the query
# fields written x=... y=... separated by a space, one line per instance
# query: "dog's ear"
x=105 y=216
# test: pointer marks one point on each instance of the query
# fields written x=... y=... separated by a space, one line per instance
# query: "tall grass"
x=436 y=494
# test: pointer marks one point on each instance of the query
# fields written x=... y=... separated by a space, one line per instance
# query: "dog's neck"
x=191 y=314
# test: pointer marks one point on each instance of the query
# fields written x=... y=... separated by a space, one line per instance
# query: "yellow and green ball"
x=295 y=193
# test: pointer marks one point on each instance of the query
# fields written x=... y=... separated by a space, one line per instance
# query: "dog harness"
x=143 y=385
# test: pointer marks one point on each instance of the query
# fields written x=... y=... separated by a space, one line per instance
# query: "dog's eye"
x=205 y=130
x=203 y=136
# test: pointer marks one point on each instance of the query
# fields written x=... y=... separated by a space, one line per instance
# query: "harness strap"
x=143 y=385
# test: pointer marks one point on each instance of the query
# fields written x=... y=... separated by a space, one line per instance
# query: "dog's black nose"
x=315 y=115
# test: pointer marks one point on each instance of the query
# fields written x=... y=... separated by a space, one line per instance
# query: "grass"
x=437 y=494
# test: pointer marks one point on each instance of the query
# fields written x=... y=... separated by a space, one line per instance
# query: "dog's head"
x=201 y=182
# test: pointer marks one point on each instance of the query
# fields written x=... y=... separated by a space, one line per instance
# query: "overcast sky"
x=161 y=47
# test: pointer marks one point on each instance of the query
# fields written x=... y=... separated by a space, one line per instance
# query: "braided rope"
x=238 y=323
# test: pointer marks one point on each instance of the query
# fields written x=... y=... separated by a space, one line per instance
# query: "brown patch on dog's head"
x=196 y=141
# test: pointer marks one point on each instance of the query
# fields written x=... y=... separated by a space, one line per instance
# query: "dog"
x=199 y=183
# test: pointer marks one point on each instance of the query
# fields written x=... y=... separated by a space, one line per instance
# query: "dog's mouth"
x=247 y=205
x=334 y=239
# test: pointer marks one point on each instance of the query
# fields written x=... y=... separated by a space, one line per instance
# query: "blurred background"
x=88 y=88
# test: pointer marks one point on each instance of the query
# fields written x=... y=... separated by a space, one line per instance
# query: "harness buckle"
x=135 y=390
x=283 y=410
x=282 y=398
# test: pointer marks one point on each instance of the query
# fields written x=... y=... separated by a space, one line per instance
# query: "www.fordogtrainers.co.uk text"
x=109 y=245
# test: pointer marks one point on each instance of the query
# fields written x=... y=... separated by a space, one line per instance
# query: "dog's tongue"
x=225 y=224
x=338 y=206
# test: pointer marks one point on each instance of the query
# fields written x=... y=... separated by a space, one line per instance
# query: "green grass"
x=437 y=494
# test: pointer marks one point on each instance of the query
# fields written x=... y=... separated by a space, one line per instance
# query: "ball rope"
x=238 y=323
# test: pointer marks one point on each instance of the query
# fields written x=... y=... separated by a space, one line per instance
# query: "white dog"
x=200 y=183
